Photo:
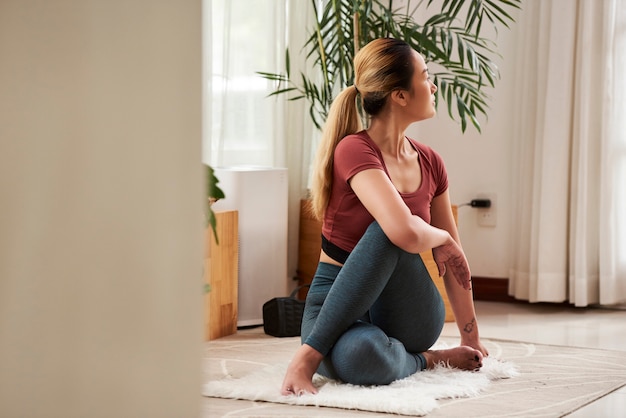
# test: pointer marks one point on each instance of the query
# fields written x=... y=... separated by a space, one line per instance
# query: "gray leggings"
x=373 y=317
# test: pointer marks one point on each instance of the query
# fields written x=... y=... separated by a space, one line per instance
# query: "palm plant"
x=451 y=39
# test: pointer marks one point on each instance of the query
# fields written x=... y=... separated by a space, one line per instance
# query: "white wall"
x=481 y=163
x=101 y=208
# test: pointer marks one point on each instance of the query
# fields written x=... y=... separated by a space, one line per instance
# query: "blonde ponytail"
x=343 y=119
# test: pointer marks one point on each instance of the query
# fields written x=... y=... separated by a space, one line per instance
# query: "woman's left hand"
x=477 y=345
x=450 y=257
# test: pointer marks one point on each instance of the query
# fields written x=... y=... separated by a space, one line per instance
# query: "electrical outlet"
x=487 y=216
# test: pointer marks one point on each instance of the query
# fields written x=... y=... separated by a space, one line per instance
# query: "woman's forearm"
x=462 y=303
x=418 y=236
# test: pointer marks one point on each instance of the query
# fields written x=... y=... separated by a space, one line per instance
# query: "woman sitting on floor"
x=372 y=312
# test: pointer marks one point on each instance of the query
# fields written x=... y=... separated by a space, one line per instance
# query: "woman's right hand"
x=299 y=376
x=450 y=258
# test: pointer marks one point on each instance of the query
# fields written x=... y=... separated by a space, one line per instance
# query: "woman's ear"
x=399 y=96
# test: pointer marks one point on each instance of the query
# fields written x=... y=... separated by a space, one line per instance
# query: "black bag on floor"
x=282 y=317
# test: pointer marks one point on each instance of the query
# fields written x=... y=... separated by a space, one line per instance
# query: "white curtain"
x=570 y=234
x=242 y=37
x=613 y=159
x=243 y=125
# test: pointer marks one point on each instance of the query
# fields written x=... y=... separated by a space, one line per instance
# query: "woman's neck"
x=388 y=136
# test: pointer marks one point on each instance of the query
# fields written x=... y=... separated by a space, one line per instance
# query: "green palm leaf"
x=213 y=193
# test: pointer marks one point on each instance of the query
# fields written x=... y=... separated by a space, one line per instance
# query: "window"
x=242 y=37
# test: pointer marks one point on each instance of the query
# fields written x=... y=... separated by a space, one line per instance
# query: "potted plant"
x=214 y=193
x=450 y=39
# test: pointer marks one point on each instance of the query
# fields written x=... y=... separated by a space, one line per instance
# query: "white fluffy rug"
x=416 y=395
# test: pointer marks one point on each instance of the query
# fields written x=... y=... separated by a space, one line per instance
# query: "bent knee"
x=375 y=229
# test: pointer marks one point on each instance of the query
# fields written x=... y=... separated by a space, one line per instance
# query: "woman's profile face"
x=422 y=99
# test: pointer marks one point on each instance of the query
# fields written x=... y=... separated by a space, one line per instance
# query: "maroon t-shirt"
x=345 y=218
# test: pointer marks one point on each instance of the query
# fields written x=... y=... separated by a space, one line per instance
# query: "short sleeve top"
x=345 y=218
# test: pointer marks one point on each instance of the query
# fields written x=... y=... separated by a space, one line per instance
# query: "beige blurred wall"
x=100 y=208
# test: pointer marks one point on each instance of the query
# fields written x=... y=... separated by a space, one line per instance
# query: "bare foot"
x=299 y=376
x=463 y=357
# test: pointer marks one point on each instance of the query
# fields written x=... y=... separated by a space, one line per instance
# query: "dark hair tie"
x=357 y=90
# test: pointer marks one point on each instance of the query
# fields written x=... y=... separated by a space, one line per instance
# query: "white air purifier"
x=259 y=194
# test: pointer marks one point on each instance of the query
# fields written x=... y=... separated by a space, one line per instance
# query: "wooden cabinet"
x=220 y=272
x=310 y=243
